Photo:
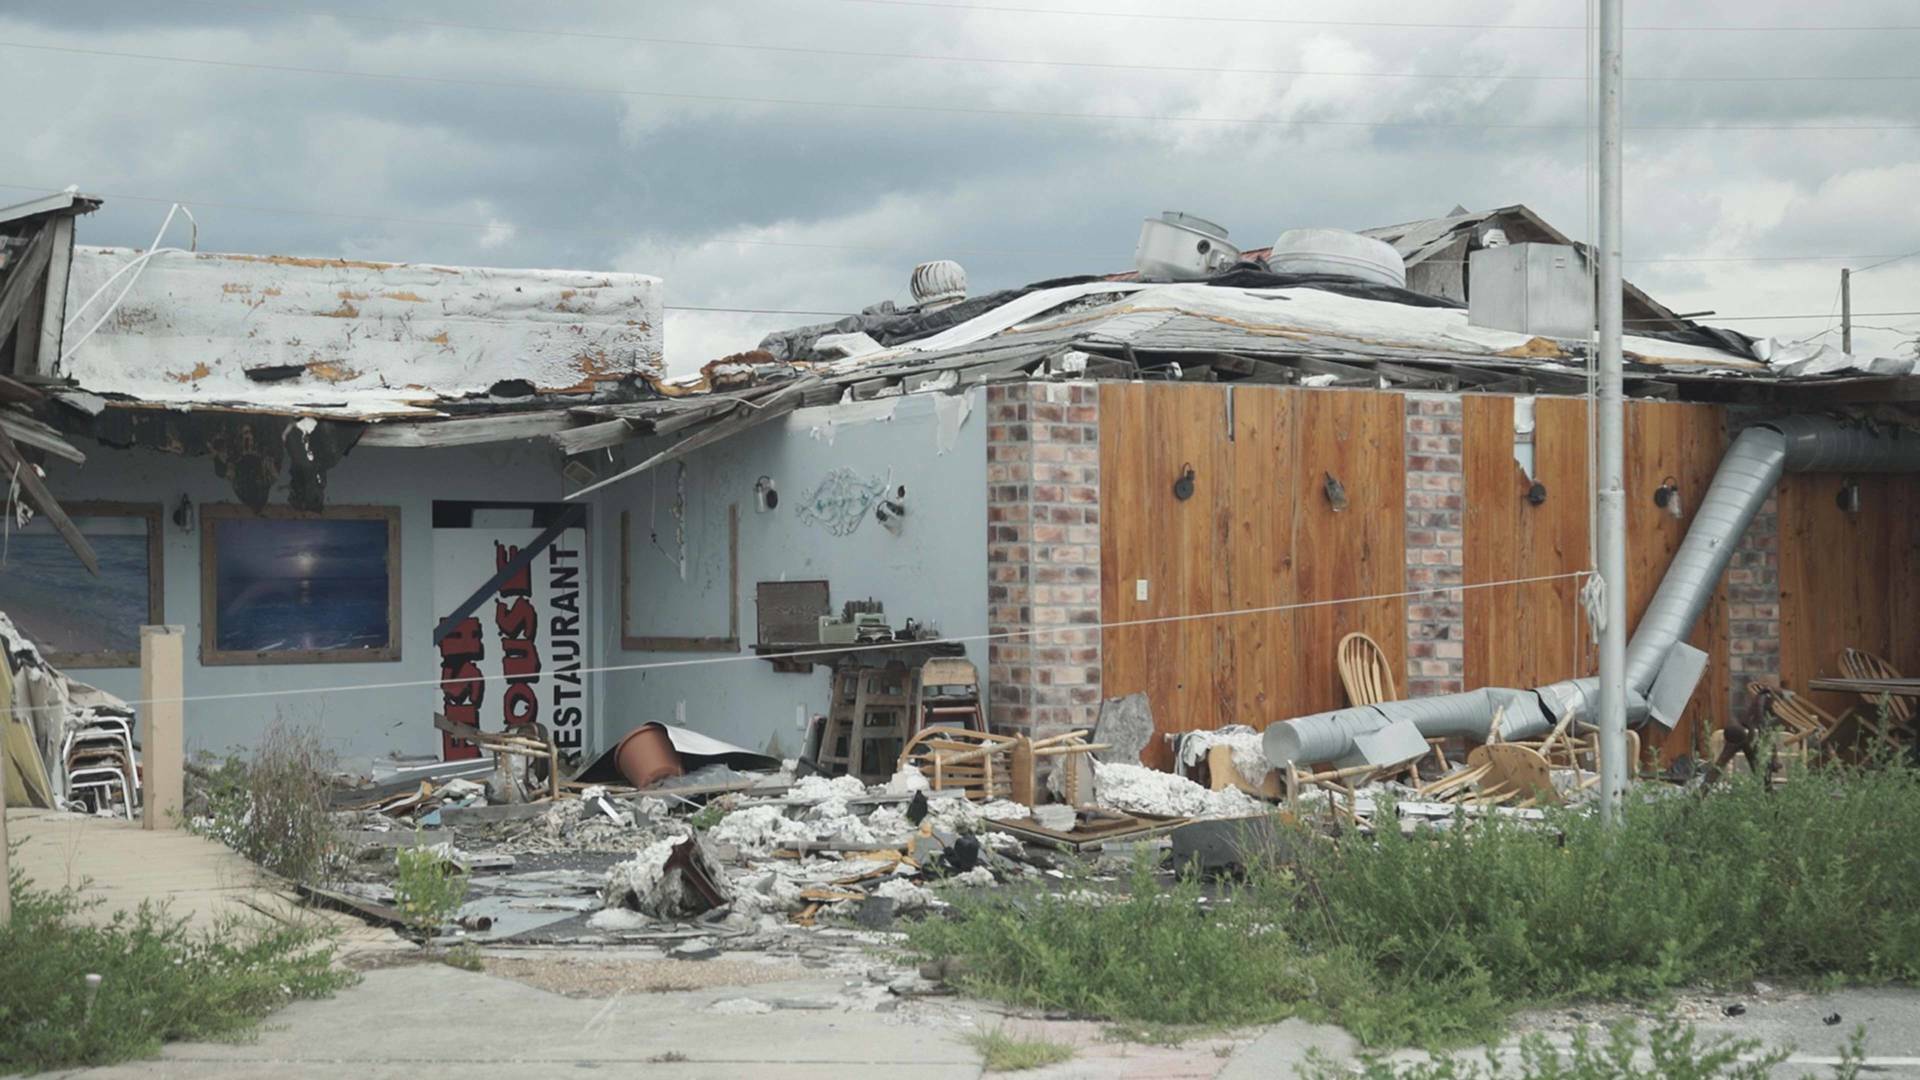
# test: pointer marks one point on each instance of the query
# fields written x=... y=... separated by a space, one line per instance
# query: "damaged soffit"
x=349 y=339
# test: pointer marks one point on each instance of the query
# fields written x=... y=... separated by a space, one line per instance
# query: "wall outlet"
x=1140 y=590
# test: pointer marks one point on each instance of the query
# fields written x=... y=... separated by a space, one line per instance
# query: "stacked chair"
x=101 y=764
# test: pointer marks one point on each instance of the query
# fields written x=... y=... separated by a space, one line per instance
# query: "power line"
x=1040 y=632
x=1887 y=261
x=481 y=226
x=958 y=110
x=1272 y=20
x=1764 y=318
x=865 y=54
x=442 y=223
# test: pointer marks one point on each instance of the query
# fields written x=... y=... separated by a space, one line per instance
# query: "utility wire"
x=1272 y=20
x=1761 y=318
x=840 y=650
x=956 y=110
x=1887 y=261
x=445 y=223
x=814 y=52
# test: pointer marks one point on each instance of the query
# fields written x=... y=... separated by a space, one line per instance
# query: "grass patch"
x=273 y=807
x=1671 y=1051
x=1435 y=939
x=465 y=957
x=158 y=980
x=1002 y=1052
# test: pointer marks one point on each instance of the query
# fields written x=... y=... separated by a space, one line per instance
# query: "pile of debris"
x=765 y=857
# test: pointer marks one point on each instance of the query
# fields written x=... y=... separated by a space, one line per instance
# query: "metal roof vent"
x=1182 y=247
x=937 y=284
x=1337 y=253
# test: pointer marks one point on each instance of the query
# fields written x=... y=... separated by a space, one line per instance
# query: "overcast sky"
x=739 y=198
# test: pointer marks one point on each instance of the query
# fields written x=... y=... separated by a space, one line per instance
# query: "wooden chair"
x=1860 y=664
x=1804 y=726
x=1364 y=671
x=949 y=695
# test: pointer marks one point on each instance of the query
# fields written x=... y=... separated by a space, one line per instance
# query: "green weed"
x=1435 y=938
x=273 y=807
x=1002 y=1052
x=1671 y=1051
x=427 y=889
x=158 y=980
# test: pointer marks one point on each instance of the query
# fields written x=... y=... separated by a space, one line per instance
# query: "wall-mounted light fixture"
x=1849 y=497
x=579 y=472
x=1336 y=492
x=1183 y=487
x=765 y=496
x=1667 y=497
x=891 y=511
x=183 y=514
x=1537 y=494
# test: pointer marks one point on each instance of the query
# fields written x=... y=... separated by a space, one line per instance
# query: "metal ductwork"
x=1747 y=475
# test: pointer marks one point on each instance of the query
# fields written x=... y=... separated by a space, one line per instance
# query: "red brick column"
x=1753 y=604
x=1436 y=557
x=1043 y=555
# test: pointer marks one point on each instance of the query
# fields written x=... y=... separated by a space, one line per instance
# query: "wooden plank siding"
x=1259 y=532
x=1525 y=635
x=1686 y=442
x=1848 y=579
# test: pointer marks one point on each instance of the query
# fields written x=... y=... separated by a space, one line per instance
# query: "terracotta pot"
x=646 y=756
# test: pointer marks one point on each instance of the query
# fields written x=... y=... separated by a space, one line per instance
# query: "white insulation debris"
x=645 y=884
x=1136 y=789
x=1249 y=758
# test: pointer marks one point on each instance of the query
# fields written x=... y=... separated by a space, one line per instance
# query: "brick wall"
x=1753 y=604
x=1435 y=524
x=1043 y=555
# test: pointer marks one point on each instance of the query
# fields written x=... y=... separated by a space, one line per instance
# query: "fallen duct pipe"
x=1747 y=475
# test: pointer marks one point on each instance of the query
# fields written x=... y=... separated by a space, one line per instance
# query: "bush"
x=273 y=808
x=426 y=888
x=159 y=981
x=1672 y=1051
x=1434 y=938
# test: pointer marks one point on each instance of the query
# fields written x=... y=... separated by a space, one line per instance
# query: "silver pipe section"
x=1747 y=475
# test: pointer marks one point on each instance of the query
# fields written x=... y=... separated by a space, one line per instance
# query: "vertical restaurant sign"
x=517 y=659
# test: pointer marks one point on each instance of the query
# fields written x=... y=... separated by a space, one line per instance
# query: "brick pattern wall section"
x=1436 y=555
x=1043 y=556
x=1753 y=604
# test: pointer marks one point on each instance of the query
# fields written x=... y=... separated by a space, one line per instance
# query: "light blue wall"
x=936 y=569
x=360 y=723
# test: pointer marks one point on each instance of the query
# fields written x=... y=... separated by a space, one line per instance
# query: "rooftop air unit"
x=1337 y=253
x=1536 y=289
x=937 y=284
x=1181 y=247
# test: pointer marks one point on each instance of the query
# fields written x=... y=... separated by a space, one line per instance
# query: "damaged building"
x=1193 y=480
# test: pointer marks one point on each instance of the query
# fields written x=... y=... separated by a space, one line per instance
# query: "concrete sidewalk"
x=122 y=866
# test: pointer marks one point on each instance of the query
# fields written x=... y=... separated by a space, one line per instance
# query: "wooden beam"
x=571 y=517
x=17 y=465
x=745 y=415
x=32 y=432
x=471 y=431
x=23 y=278
x=16 y=392
x=597 y=436
x=53 y=310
